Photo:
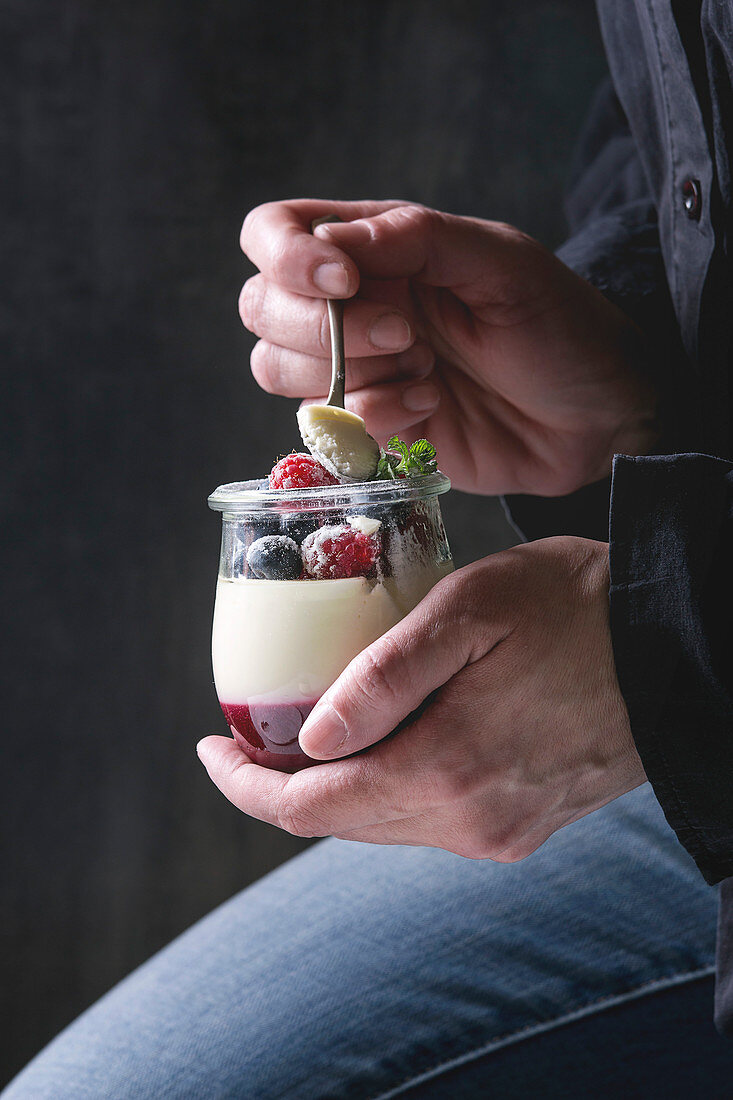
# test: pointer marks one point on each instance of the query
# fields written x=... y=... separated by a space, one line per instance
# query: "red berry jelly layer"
x=268 y=733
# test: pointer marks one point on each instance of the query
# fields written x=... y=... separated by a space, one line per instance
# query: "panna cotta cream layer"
x=287 y=641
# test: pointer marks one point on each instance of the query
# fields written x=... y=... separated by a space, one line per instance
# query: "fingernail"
x=420 y=398
x=324 y=731
x=419 y=360
x=389 y=332
x=332 y=278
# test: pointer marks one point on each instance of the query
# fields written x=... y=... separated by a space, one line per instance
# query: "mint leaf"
x=396 y=444
x=422 y=457
x=399 y=460
x=385 y=469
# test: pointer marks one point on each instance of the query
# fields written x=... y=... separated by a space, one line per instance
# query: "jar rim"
x=249 y=496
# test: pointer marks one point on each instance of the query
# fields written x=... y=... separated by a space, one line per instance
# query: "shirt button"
x=692 y=199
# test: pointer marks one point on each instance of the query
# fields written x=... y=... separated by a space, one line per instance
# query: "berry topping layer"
x=300 y=471
x=275 y=558
x=340 y=551
x=324 y=540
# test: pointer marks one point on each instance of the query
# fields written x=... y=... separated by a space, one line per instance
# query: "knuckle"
x=500 y=840
x=468 y=601
x=263 y=365
x=473 y=843
x=458 y=588
x=485 y=599
x=457 y=593
x=251 y=302
x=379 y=673
x=280 y=265
x=472 y=849
x=248 y=229
x=520 y=845
x=482 y=846
x=510 y=232
x=415 y=215
x=482 y=837
x=514 y=854
x=412 y=218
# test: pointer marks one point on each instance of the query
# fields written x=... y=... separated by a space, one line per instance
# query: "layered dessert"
x=279 y=644
x=312 y=572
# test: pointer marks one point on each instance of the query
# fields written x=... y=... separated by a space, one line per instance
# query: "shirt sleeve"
x=671 y=599
x=614 y=244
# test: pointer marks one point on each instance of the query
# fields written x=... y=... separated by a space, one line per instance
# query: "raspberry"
x=334 y=552
x=300 y=471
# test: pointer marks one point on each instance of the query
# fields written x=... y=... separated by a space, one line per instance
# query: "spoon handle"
x=336 y=323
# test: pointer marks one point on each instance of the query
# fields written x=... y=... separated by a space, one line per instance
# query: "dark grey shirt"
x=650 y=210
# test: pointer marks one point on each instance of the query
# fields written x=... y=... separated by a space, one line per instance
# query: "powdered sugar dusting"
x=318 y=545
x=339 y=551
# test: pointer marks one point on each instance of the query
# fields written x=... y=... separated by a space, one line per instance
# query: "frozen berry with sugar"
x=339 y=551
x=275 y=558
x=300 y=471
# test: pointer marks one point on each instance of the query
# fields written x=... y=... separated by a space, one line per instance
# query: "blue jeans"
x=358 y=972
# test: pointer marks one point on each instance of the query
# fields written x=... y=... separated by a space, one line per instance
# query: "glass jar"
x=307 y=579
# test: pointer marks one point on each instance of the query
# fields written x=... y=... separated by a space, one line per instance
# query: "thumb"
x=476 y=259
x=390 y=678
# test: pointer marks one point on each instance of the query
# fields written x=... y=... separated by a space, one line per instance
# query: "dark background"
x=134 y=137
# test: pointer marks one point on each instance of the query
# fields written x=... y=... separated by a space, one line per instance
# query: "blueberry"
x=248 y=531
x=301 y=526
x=275 y=558
x=263 y=525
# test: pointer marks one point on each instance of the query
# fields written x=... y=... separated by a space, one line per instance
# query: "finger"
x=300 y=323
x=232 y=771
x=334 y=797
x=393 y=408
x=277 y=238
x=477 y=259
x=391 y=677
x=293 y=374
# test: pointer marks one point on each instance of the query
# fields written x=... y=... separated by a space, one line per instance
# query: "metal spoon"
x=336 y=324
x=337 y=438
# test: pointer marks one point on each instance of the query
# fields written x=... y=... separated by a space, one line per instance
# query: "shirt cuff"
x=671 y=597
